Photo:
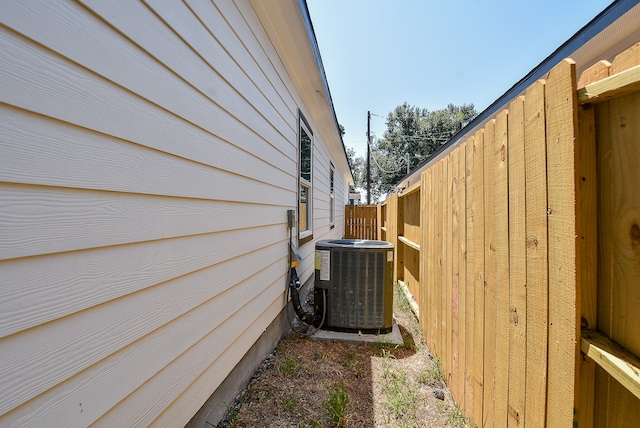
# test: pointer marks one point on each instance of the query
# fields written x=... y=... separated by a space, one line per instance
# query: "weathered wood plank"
x=409 y=243
x=537 y=270
x=626 y=59
x=470 y=317
x=501 y=394
x=587 y=254
x=447 y=262
x=621 y=364
x=415 y=308
x=426 y=265
x=462 y=276
x=411 y=214
x=618 y=268
x=517 y=265
x=561 y=116
x=490 y=308
x=597 y=71
x=454 y=380
x=620 y=213
x=423 y=254
x=479 y=300
x=392 y=230
x=616 y=85
x=361 y=222
x=439 y=189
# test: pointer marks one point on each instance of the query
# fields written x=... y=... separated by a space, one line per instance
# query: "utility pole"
x=408 y=163
x=368 y=158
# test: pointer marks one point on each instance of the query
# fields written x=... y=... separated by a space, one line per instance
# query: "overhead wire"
x=376 y=162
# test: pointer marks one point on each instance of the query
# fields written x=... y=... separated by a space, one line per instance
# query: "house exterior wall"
x=148 y=156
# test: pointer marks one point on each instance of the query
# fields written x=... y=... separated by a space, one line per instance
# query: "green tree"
x=359 y=170
x=414 y=133
x=357 y=167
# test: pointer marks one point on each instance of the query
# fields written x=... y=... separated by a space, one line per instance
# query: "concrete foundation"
x=392 y=338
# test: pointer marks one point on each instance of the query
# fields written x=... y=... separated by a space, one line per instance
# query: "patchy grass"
x=289 y=366
x=312 y=383
x=337 y=404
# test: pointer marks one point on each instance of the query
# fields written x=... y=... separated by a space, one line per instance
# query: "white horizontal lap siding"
x=39 y=150
x=103 y=385
x=40 y=358
x=61 y=284
x=153 y=104
x=148 y=154
x=176 y=393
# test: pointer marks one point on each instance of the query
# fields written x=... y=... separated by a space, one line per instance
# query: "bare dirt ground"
x=313 y=383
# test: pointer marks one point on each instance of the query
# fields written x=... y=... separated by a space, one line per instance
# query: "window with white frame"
x=332 y=198
x=305 y=197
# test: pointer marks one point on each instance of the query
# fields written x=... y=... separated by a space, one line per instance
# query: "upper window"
x=305 y=213
x=332 y=198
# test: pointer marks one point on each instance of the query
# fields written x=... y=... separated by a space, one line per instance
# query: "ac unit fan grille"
x=359 y=288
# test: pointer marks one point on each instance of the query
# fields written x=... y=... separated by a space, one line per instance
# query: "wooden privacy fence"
x=521 y=248
x=361 y=222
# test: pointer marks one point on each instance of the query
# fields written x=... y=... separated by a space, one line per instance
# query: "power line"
x=378 y=165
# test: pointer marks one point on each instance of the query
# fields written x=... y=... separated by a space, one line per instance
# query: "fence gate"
x=361 y=222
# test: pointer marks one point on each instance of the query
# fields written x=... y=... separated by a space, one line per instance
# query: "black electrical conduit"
x=315 y=319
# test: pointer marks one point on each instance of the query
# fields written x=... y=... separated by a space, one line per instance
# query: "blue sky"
x=378 y=54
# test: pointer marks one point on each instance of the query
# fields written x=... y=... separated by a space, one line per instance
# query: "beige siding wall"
x=148 y=155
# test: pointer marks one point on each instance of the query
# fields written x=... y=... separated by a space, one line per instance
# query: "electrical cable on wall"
x=314 y=320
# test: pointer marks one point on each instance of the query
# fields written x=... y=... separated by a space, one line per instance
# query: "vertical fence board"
x=587 y=253
x=409 y=257
x=455 y=274
x=462 y=275
x=619 y=248
x=620 y=141
x=429 y=227
x=361 y=222
x=478 y=335
x=536 y=235
x=501 y=395
x=561 y=100
x=446 y=257
x=490 y=274
x=379 y=222
x=517 y=265
x=517 y=241
x=437 y=300
x=392 y=230
x=471 y=271
x=424 y=220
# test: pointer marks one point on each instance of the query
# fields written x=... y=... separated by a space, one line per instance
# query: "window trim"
x=307 y=234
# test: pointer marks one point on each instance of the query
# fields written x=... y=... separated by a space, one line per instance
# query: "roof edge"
x=316 y=51
x=603 y=20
